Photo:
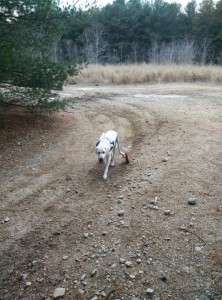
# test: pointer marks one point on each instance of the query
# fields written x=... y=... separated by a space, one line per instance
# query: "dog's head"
x=101 y=152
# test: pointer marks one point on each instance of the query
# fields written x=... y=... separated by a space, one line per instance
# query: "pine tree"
x=29 y=32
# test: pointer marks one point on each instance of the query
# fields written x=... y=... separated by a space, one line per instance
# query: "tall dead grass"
x=146 y=73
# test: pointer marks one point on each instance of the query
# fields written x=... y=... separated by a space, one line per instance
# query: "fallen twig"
x=107 y=296
x=185 y=229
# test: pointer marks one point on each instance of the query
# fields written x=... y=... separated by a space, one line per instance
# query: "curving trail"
x=63 y=218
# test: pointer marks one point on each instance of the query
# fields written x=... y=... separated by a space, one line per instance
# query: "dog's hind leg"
x=120 y=152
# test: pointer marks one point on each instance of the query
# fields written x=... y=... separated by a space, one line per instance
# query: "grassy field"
x=147 y=73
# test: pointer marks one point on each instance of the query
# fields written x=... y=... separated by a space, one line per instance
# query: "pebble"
x=85 y=235
x=58 y=293
x=162 y=276
x=128 y=264
x=6 y=219
x=150 y=291
x=165 y=159
x=167 y=212
x=120 y=213
x=122 y=260
x=192 y=201
x=198 y=248
x=82 y=292
x=28 y=283
x=82 y=277
x=93 y=273
x=68 y=177
x=65 y=257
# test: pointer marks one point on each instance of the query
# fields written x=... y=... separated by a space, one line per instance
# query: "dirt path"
x=133 y=236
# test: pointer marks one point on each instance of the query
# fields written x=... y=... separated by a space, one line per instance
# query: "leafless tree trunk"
x=95 y=43
x=179 y=52
x=205 y=51
x=135 y=48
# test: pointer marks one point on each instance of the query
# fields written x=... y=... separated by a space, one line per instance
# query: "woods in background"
x=137 y=31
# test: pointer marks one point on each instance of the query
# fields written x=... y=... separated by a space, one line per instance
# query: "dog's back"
x=111 y=135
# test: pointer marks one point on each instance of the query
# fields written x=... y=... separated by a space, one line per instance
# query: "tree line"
x=42 y=43
x=141 y=31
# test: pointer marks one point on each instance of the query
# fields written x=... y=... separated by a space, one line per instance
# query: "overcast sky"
x=104 y=2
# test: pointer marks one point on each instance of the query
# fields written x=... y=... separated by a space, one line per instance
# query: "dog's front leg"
x=112 y=163
x=108 y=160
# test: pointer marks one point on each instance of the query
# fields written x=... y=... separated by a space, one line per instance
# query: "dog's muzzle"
x=100 y=159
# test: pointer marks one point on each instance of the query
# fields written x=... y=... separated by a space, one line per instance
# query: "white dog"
x=105 y=148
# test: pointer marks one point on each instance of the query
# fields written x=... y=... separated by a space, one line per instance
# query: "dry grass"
x=147 y=73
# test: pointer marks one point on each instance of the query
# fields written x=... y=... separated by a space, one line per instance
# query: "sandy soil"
x=134 y=236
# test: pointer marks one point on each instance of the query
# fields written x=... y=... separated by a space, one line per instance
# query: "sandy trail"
x=60 y=220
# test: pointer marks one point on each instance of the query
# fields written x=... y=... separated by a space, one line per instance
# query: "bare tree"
x=135 y=52
x=153 y=52
x=179 y=52
x=205 y=50
x=95 y=43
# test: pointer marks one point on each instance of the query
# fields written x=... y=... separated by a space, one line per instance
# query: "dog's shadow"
x=95 y=174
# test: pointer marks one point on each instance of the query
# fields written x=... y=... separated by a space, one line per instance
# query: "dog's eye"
x=103 y=152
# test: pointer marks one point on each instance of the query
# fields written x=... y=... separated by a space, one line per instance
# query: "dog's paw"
x=112 y=163
x=104 y=177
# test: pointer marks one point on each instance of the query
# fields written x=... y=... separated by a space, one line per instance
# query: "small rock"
x=128 y=264
x=58 y=293
x=6 y=219
x=28 y=283
x=150 y=291
x=93 y=273
x=162 y=276
x=122 y=261
x=103 y=294
x=198 y=248
x=68 y=177
x=65 y=257
x=139 y=261
x=85 y=235
x=82 y=277
x=164 y=159
x=82 y=292
x=167 y=212
x=216 y=275
x=192 y=201
x=24 y=276
x=120 y=213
